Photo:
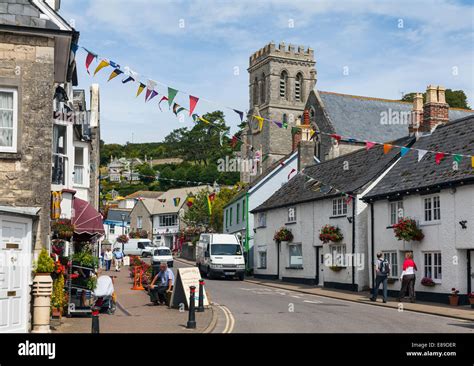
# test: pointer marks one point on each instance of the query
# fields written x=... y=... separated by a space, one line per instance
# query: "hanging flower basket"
x=139 y=234
x=331 y=233
x=122 y=239
x=283 y=235
x=63 y=228
x=57 y=246
x=407 y=229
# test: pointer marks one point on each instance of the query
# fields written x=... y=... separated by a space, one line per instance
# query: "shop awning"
x=86 y=219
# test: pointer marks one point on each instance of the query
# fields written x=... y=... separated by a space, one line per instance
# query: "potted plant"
x=330 y=233
x=122 y=239
x=428 y=282
x=57 y=246
x=454 y=297
x=44 y=264
x=58 y=297
x=63 y=228
x=471 y=299
x=42 y=290
x=283 y=234
x=407 y=230
x=85 y=259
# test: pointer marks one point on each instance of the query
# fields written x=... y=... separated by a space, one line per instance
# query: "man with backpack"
x=382 y=270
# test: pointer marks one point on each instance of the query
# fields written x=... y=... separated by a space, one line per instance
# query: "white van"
x=220 y=255
x=141 y=247
x=162 y=254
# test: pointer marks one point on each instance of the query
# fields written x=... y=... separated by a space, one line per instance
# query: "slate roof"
x=24 y=13
x=364 y=167
x=359 y=117
x=144 y=194
x=116 y=215
x=409 y=175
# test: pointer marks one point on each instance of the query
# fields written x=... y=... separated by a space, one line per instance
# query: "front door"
x=15 y=267
x=321 y=268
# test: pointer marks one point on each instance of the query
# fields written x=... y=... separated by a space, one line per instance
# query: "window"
x=226 y=218
x=168 y=220
x=262 y=260
x=139 y=222
x=112 y=229
x=396 y=212
x=292 y=214
x=312 y=112
x=255 y=91
x=237 y=216
x=59 y=154
x=339 y=207
x=298 y=87
x=296 y=256
x=230 y=216
x=283 y=84
x=262 y=89
x=262 y=219
x=392 y=258
x=243 y=211
x=338 y=253
x=432 y=209
x=78 y=165
x=8 y=120
x=432 y=266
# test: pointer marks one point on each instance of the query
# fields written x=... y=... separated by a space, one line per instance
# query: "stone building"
x=35 y=56
x=281 y=78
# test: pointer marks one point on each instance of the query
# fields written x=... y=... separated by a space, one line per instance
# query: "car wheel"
x=241 y=277
x=209 y=273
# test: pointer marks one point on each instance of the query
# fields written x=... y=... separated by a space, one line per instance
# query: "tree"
x=147 y=173
x=455 y=98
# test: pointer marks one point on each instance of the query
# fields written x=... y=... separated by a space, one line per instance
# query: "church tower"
x=281 y=79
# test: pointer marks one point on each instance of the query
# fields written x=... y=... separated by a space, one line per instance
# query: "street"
x=250 y=308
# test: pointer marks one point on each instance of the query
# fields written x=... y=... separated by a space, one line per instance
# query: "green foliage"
x=147 y=173
x=44 y=264
x=85 y=258
x=58 y=298
x=455 y=98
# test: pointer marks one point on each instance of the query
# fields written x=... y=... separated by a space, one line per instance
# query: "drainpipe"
x=354 y=201
x=469 y=264
x=372 y=241
x=247 y=236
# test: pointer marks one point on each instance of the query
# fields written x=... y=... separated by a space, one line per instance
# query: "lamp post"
x=123 y=229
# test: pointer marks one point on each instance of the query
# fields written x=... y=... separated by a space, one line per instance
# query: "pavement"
x=135 y=314
x=273 y=306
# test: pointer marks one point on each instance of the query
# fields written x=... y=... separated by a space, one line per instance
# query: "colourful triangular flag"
x=89 y=58
x=260 y=122
x=233 y=141
x=284 y=124
x=337 y=137
x=176 y=201
x=348 y=199
x=369 y=145
x=404 y=151
x=421 y=154
x=127 y=79
x=291 y=172
x=115 y=73
x=190 y=201
x=102 y=64
x=210 y=201
x=472 y=161
x=192 y=103
x=195 y=117
x=438 y=157
x=387 y=148
x=154 y=93
x=204 y=120
x=240 y=113
x=150 y=87
x=171 y=95
x=140 y=88
x=457 y=158
x=295 y=131
x=177 y=108
x=279 y=124
x=162 y=99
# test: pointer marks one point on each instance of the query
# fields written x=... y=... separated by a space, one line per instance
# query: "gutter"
x=372 y=243
x=353 y=239
x=36 y=31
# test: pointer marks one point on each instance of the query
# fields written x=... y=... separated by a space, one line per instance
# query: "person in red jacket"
x=408 y=277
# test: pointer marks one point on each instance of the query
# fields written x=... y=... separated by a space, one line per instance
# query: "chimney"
x=306 y=117
x=416 y=114
x=435 y=110
x=305 y=154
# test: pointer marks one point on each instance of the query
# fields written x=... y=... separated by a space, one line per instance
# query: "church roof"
x=359 y=117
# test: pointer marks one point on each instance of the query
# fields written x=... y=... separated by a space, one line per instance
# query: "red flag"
x=233 y=142
x=369 y=145
x=337 y=137
x=90 y=57
x=438 y=157
x=192 y=103
x=162 y=99
x=292 y=171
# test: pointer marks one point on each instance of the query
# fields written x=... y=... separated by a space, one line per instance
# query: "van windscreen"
x=226 y=249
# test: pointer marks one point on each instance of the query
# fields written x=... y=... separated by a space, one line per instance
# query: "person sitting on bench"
x=165 y=279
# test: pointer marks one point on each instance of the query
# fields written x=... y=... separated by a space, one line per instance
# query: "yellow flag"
x=140 y=88
x=472 y=161
x=260 y=122
x=101 y=65
x=204 y=120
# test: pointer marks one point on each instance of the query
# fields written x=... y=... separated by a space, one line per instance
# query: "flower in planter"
x=283 y=235
x=44 y=264
x=454 y=292
x=330 y=233
x=426 y=281
x=470 y=295
x=63 y=228
x=408 y=230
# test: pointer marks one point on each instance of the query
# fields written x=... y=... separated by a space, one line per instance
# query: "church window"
x=255 y=91
x=298 y=87
x=262 y=89
x=283 y=84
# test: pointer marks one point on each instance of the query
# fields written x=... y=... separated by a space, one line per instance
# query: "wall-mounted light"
x=463 y=224
x=350 y=219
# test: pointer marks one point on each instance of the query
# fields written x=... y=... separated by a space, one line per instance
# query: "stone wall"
x=27 y=64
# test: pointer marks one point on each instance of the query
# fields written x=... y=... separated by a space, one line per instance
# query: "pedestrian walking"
x=118 y=258
x=408 y=277
x=382 y=270
x=165 y=278
x=108 y=255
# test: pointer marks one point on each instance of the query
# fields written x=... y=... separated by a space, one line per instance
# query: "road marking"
x=313 y=302
x=230 y=321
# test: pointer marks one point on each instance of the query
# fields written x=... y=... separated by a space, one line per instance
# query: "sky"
x=374 y=48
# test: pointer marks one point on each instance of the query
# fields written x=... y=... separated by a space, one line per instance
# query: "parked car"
x=220 y=255
x=141 y=247
x=162 y=254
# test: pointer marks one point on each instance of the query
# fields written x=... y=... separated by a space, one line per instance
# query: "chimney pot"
x=441 y=94
x=431 y=94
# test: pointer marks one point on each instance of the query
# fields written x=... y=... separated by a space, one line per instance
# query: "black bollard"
x=200 y=308
x=192 y=316
x=95 y=320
